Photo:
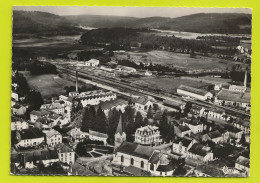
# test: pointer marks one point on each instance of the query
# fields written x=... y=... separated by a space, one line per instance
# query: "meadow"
x=49 y=84
x=179 y=60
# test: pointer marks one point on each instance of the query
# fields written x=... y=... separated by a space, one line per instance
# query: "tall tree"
x=163 y=125
x=138 y=120
x=100 y=121
x=150 y=113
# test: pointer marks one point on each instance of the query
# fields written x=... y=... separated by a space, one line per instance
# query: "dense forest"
x=125 y=37
x=42 y=23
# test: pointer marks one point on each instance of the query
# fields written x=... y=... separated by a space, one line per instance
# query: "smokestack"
x=77 y=81
x=245 y=80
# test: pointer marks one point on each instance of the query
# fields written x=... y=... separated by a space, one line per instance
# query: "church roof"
x=120 y=126
x=137 y=150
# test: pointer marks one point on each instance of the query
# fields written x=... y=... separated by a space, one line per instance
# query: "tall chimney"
x=245 y=80
x=77 y=81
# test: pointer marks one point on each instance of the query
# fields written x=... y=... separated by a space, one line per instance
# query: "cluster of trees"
x=150 y=67
x=26 y=60
x=131 y=120
x=117 y=36
x=22 y=86
x=94 y=119
x=81 y=89
x=221 y=40
x=237 y=74
x=96 y=54
x=38 y=68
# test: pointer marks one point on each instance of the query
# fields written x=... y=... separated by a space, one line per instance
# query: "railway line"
x=141 y=90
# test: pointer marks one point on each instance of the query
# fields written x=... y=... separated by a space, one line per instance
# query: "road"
x=124 y=88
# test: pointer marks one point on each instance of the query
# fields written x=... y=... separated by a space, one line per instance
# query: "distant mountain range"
x=41 y=22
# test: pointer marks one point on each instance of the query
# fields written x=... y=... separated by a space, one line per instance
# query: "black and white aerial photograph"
x=130 y=91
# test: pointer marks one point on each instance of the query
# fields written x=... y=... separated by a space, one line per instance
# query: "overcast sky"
x=129 y=11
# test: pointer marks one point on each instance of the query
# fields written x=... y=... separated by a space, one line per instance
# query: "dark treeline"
x=26 y=60
x=37 y=68
x=237 y=74
x=22 y=86
x=96 y=54
x=131 y=120
x=222 y=40
x=125 y=36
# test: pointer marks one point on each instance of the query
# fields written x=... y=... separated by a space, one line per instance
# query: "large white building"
x=194 y=92
x=92 y=63
x=29 y=137
x=234 y=98
x=95 y=99
x=148 y=135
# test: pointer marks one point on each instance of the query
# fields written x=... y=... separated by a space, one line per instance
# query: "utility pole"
x=76 y=81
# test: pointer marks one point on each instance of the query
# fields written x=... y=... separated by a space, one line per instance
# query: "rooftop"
x=51 y=133
x=98 y=134
x=184 y=140
x=112 y=103
x=193 y=90
x=142 y=100
x=63 y=148
x=235 y=96
x=198 y=149
x=136 y=171
x=148 y=128
x=243 y=161
x=214 y=134
x=193 y=122
x=137 y=150
x=31 y=133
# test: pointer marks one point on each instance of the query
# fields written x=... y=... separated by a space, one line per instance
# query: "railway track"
x=141 y=90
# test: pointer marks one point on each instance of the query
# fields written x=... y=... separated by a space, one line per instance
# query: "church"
x=120 y=135
x=144 y=158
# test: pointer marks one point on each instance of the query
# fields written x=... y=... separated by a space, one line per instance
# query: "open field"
x=44 y=47
x=168 y=84
x=49 y=84
x=178 y=60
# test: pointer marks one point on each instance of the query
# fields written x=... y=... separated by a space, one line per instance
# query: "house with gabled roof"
x=30 y=137
x=98 y=136
x=143 y=103
x=18 y=109
x=214 y=136
x=181 y=145
x=242 y=124
x=200 y=152
x=66 y=153
x=34 y=115
x=53 y=138
x=181 y=130
x=195 y=125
